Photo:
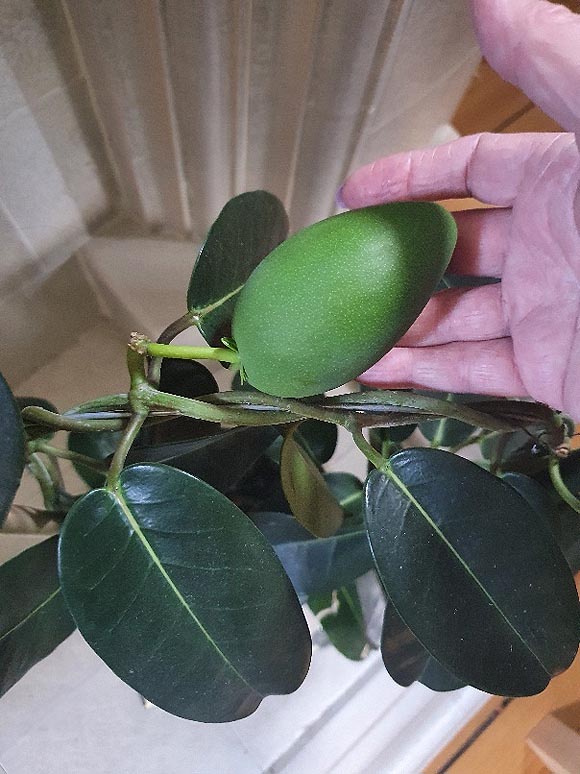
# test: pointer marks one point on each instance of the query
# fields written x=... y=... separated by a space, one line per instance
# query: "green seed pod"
x=330 y=301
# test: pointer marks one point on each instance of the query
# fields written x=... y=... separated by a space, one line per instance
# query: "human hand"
x=520 y=337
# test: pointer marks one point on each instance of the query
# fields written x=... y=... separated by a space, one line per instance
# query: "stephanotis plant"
x=210 y=521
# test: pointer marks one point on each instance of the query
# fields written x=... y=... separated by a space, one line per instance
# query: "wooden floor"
x=494 y=741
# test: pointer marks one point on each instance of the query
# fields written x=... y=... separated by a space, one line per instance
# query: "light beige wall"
x=160 y=111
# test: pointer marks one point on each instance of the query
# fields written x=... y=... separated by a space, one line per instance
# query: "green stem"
x=34 y=415
x=107 y=402
x=45 y=481
x=166 y=337
x=292 y=410
x=192 y=353
x=476 y=438
x=350 y=499
x=432 y=408
x=201 y=409
x=124 y=447
x=560 y=486
x=66 y=454
x=369 y=451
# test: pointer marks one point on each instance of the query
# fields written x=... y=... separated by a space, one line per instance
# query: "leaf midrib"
x=117 y=494
x=33 y=612
x=213 y=305
x=401 y=486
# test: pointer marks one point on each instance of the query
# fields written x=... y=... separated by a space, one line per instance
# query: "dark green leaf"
x=570 y=472
x=438 y=678
x=11 y=448
x=181 y=595
x=348 y=490
x=221 y=459
x=248 y=228
x=568 y=522
x=446 y=432
x=36 y=431
x=568 y=536
x=100 y=446
x=341 y=616
x=317 y=438
x=188 y=379
x=473 y=571
x=33 y=616
x=379 y=435
x=407 y=661
x=315 y=565
x=261 y=489
x=536 y=496
x=309 y=497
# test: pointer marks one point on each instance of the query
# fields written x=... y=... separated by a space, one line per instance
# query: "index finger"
x=488 y=167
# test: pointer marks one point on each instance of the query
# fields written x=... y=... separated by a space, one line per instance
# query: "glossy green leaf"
x=11 y=448
x=315 y=565
x=446 y=432
x=221 y=459
x=180 y=594
x=34 y=618
x=341 y=616
x=100 y=446
x=348 y=491
x=249 y=227
x=36 y=431
x=473 y=571
x=567 y=521
x=536 y=496
x=310 y=499
x=407 y=661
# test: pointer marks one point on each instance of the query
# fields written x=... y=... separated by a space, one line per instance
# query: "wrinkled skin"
x=520 y=337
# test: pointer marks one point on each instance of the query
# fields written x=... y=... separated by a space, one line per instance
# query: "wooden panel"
x=533 y=120
x=502 y=746
x=488 y=103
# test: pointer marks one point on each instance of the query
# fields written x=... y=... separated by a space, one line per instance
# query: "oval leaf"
x=249 y=227
x=341 y=616
x=536 y=496
x=407 y=661
x=310 y=499
x=183 y=598
x=11 y=448
x=34 y=618
x=315 y=565
x=473 y=571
